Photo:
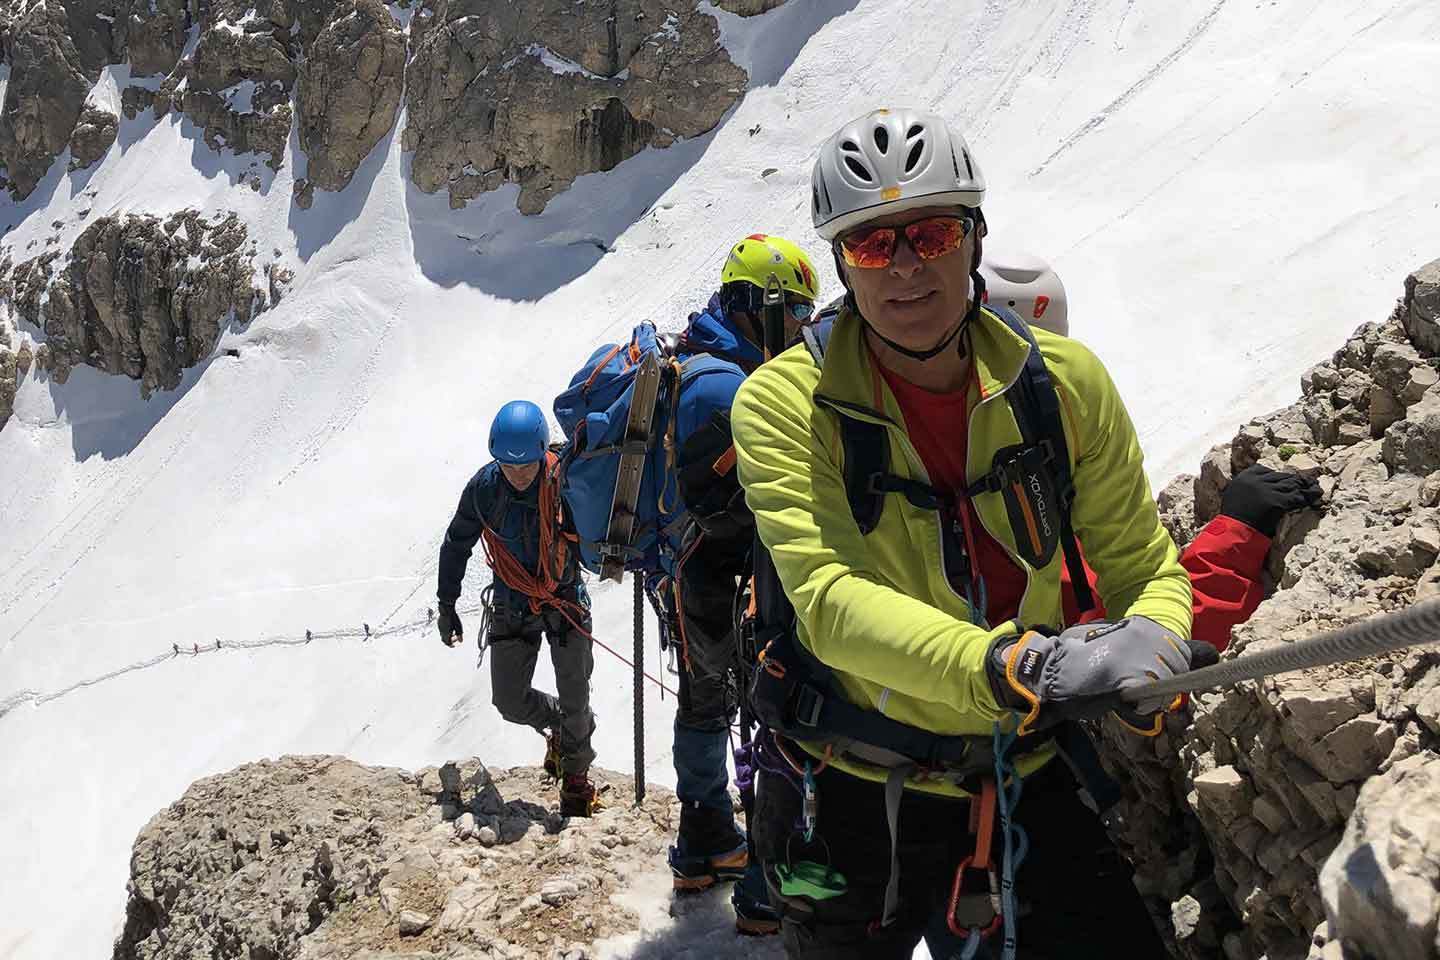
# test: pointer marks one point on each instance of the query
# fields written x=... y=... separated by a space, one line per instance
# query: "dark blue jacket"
x=515 y=517
x=712 y=332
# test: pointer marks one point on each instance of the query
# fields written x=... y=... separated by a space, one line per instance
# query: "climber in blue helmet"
x=513 y=508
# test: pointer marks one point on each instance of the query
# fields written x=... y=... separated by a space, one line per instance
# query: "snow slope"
x=1227 y=189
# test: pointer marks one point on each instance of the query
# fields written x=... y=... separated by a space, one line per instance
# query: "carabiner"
x=974 y=920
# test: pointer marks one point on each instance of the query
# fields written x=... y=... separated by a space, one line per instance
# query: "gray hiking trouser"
x=514 y=647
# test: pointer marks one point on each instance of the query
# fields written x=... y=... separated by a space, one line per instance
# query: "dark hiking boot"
x=755 y=918
x=709 y=849
x=578 y=797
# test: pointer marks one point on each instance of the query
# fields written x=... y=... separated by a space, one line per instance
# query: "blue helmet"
x=519 y=433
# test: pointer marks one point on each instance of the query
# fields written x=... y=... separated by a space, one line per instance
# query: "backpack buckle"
x=612 y=551
x=808 y=704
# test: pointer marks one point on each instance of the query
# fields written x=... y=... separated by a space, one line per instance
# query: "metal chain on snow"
x=365 y=632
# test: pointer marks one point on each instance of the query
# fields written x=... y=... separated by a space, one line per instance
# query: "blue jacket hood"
x=711 y=331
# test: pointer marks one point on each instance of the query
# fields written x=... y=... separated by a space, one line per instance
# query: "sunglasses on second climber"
x=743 y=296
x=874 y=247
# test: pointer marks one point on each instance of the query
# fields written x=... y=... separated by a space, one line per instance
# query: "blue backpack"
x=593 y=412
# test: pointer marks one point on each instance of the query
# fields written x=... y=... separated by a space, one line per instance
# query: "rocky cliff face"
x=534 y=92
x=135 y=296
x=319 y=857
x=538 y=92
x=1232 y=817
x=350 y=90
x=54 y=58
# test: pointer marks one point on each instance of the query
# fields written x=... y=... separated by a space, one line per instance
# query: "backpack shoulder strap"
x=1036 y=406
x=865 y=446
x=867 y=456
x=816 y=335
x=866 y=449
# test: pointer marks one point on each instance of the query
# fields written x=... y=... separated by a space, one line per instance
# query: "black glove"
x=452 y=631
x=1259 y=497
x=1079 y=673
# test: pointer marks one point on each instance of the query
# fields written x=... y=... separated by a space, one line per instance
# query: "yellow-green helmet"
x=755 y=258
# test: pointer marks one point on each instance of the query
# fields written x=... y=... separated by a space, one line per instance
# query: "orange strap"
x=601 y=366
x=982 y=823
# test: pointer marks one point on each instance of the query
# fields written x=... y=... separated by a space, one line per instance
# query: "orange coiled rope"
x=540 y=586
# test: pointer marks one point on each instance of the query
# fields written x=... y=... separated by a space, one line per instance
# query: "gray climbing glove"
x=1079 y=672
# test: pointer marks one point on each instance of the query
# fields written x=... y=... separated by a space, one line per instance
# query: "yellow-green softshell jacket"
x=878 y=609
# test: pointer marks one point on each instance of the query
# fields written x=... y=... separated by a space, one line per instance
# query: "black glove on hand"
x=452 y=631
x=1079 y=672
x=1259 y=497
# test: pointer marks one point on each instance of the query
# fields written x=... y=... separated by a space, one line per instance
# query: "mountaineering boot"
x=754 y=916
x=578 y=797
x=552 y=764
x=709 y=849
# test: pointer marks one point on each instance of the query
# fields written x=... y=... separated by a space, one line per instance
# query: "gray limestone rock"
x=349 y=90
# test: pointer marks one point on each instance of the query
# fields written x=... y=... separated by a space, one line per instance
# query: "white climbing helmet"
x=896 y=159
x=1028 y=286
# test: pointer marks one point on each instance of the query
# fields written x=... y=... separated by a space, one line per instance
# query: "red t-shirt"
x=939 y=429
x=1225 y=560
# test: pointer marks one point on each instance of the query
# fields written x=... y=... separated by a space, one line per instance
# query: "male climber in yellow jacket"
x=941 y=615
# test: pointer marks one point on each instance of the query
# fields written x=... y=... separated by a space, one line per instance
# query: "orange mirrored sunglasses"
x=873 y=248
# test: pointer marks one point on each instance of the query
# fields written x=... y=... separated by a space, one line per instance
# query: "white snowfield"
x=1227 y=189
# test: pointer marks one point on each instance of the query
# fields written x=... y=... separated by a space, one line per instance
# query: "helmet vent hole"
x=849 y=146
x=882 y=139
x=858 y=170
x=914 y=131
x=914 y=156
x=969 y=170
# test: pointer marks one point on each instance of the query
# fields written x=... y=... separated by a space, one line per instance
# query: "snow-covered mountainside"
x=1227 y=189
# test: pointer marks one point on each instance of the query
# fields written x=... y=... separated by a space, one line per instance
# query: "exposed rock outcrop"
x=10 y=372
x=1381 y=886
x=748 y=8
x=350 y=88
x=94 y=134
x=1231 y=817
x=534 y=92
x=49 y=80
x=237 y=83
x=538 y=92
x=155 y=35
x=137 y=296
x=315 y=857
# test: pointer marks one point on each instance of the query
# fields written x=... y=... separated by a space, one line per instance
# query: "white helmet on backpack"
x=892 y=159
x=1029 y=287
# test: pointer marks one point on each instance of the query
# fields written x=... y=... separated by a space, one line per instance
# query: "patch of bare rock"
x=320 y=857
x=135 y=295
x=1295 y=817
x=529 y=92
